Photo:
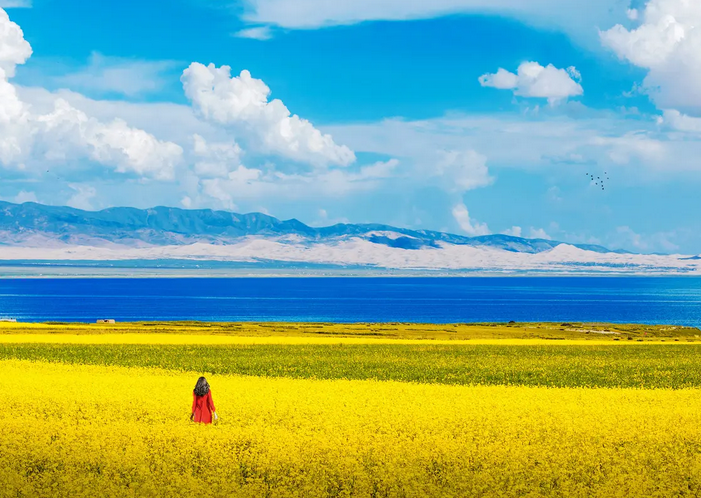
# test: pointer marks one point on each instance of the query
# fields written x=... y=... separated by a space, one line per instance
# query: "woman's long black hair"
x=202 y=387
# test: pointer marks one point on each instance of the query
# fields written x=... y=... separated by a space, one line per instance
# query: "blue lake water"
x=669 y=300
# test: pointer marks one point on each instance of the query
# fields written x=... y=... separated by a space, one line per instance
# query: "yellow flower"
x=72 y=430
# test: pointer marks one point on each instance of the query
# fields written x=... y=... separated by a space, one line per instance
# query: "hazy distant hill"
x=36 y=223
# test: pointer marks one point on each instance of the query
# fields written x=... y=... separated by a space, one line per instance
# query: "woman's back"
x=202 y=402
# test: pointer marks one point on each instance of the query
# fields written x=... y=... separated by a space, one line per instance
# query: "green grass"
x=639 y=366
x=460 y=331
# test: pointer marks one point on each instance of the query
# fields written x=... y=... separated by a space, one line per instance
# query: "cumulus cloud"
x=215 y=159
x=666 y=42
x=66 y=133
x=69 y=135
x=14 y=49
x=24 y=196
x=218 y=173
x=14 y=117
x=242 y=102
x=533 y=233
x=66 y=136
x=675 y=120
x=534 y=80
x=538 y=233
x=514 y=231
x=248 y=184
x=471 y=227
x=15 y=130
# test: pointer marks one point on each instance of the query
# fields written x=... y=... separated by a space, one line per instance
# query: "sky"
x=558 y=119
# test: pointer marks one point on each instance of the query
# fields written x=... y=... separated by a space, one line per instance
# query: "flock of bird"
x=598 y=181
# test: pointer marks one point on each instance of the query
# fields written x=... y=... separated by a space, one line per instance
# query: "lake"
x=654 y=300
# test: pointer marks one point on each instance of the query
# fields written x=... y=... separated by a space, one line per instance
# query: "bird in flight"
x=597 y=180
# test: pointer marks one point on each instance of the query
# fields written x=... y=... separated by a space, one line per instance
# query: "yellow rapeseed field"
x=75 y=430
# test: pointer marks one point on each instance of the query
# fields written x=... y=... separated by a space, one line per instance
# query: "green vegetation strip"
x=456 y=331
x=640 y=366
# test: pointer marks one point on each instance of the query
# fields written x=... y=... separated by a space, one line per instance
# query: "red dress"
x=203 y=407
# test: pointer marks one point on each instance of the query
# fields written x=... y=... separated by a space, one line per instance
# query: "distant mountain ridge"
x=21 y=224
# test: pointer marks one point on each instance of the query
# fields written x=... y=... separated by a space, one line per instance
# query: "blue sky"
x=470 y=116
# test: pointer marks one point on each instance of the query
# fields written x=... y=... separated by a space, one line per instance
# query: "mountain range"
x=57 y=234
x=22 y=223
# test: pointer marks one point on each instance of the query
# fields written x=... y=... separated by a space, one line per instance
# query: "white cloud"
x=15 y=131
x=667 y=42
x=69 y=134
x=242 y=102
x=632 y=238
x=14 y=49
x=636 y=146
x=66 y=133
x=24 y=196
x=252 y=183
x=628 y=237
x=380 y=169
x=171 y=122
x=82 y=197
x=255 y=33
x=14 y=128
x=186 y=202
x=538 y=233
x=471 y=227
x=118 y=75
x=215 y=159
x=533 y=143
x=514 y=231
x=675 y=120
x=463 y=170
x=449 y=152
x=502 y=79
x=573 y=16
x=242 y=182
x=534 y=80
x=323 y=220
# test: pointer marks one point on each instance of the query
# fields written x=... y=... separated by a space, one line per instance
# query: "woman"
x=202 y=404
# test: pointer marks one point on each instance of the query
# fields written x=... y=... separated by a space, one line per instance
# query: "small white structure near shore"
x=10 y=320
x=106 y=320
